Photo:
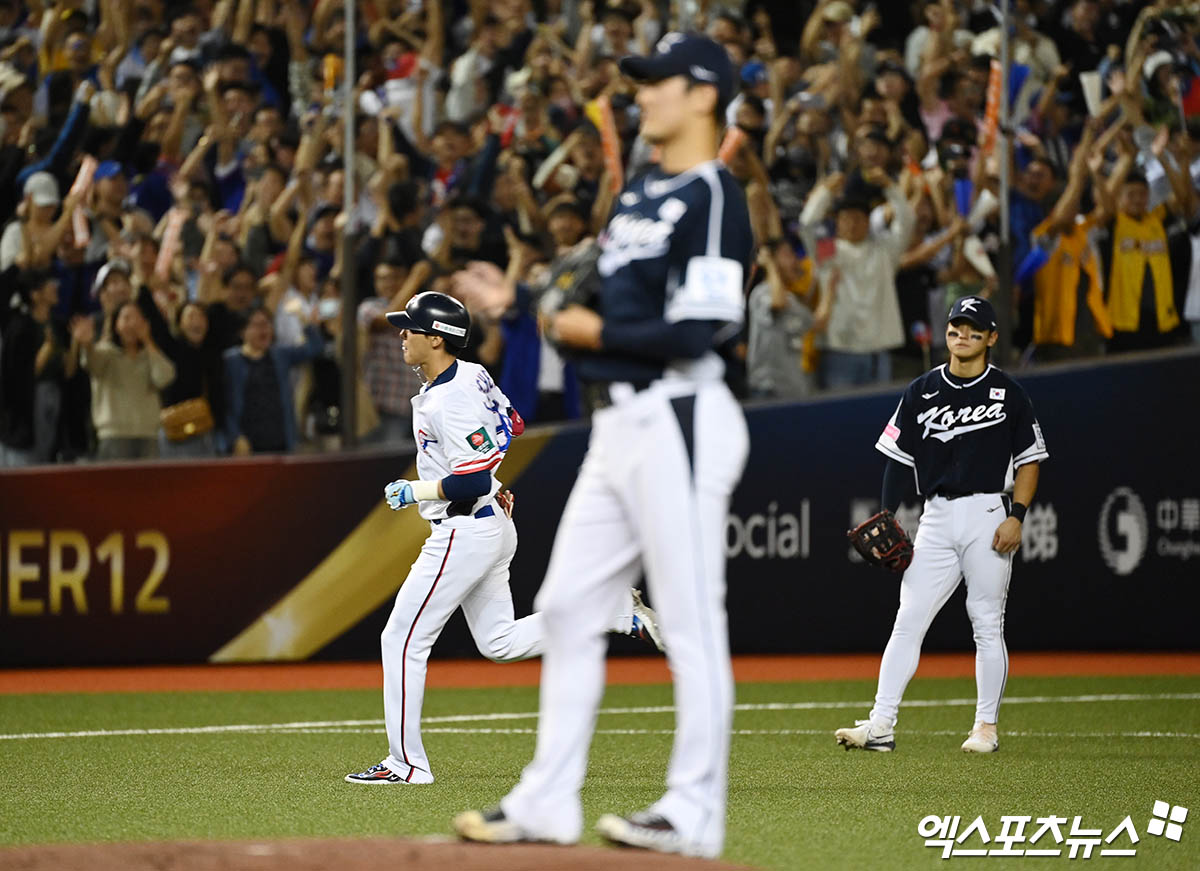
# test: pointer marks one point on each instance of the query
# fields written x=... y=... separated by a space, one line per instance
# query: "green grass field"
x=796 y=799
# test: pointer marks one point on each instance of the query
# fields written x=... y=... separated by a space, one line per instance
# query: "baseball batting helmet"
x=434 y=314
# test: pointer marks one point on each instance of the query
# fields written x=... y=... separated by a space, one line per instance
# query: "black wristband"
x=1018 y=511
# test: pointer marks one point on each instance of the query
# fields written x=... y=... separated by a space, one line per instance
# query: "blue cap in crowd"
x=107 y=169
x=754 y=73
x=699 y=58
x=975 y=309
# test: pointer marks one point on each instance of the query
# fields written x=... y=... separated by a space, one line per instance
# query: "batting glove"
x=399 y=494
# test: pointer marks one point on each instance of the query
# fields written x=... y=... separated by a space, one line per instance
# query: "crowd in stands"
x=172 y=177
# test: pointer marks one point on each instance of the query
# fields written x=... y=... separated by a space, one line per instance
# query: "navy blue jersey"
x=963 y=437
x=676 y=249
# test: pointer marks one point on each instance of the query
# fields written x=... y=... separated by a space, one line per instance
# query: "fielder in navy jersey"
x=668 y=446
x=966 y=436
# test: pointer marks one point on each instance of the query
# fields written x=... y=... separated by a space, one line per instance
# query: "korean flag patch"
x=480 y=441
x=996 y=393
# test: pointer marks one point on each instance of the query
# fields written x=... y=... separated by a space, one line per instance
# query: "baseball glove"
x=573 y=280
x=883 y=542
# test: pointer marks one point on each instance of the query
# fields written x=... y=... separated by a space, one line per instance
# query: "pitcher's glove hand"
x=883 y=542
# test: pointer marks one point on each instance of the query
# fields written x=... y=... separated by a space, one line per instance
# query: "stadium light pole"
x=1006 y=293
x=349 y=368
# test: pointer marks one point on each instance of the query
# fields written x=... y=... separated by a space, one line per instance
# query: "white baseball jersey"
x=461 y=425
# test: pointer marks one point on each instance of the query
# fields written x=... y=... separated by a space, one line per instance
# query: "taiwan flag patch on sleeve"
x=481 y=441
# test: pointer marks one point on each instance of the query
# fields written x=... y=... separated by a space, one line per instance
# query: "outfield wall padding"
x=297 y=557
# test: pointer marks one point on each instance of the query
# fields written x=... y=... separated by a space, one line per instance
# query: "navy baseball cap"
x=975 y=309
x=692 y=55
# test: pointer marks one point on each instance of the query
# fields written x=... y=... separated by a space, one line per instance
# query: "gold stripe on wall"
x=361 y=573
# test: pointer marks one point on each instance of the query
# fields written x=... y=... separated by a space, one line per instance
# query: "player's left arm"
x=1008 y=534
x=1028 y=451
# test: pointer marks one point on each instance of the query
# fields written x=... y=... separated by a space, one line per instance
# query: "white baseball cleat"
x=983 y=739
x=867 y=735
x=645 y=622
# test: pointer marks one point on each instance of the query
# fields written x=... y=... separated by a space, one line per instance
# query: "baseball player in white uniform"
x=966 y=432
x=668 y=445
x=462 y=424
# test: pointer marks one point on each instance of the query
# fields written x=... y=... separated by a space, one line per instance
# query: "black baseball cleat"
x=374 y=775
x=644 y=829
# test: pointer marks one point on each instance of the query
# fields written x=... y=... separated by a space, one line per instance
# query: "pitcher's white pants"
x=954 y=541
x=652 y=495
x=464 y=561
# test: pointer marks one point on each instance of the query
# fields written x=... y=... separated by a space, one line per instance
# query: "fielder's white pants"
x=954 y=541
x=464 y=561
x=652 y=496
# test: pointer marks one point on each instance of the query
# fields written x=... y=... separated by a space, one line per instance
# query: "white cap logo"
x=968 y=305
x=702 y=74
x=664 y=44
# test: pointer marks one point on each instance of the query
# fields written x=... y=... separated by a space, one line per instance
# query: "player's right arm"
x=898 y=442
x=899 y=485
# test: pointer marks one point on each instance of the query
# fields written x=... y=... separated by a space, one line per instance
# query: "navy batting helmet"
x=434 y=314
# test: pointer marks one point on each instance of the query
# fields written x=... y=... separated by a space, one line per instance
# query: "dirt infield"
x=632 y=670
x=342 y=855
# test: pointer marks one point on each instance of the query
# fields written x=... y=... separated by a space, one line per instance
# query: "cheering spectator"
x=127 y=371
x=390 y=382
x=1136 y=255
x=34 y=362
x=194 y=402
x=1069 y=315
x=786 y=312
x=864 y=324
x=260 y=416
x=30 y=241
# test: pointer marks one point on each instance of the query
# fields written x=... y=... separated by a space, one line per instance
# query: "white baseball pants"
x=464 y=561
x=954 y=541
x=652 y=496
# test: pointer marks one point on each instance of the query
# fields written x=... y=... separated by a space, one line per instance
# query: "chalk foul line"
x=432 y=724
